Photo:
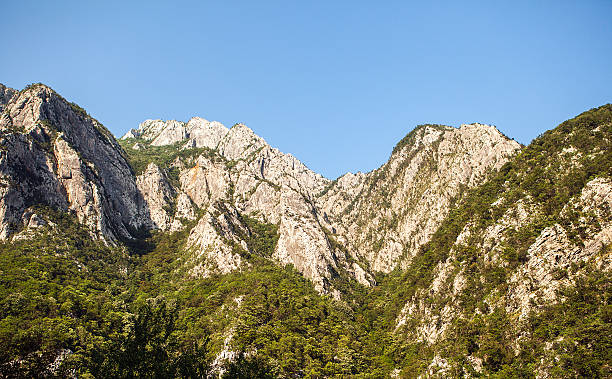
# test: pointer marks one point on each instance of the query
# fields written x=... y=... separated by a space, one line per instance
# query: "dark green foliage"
x=163 y=156
x=244 y=367
x=54 y=288
x=148 y=346
x=410 y=137
x=63 y=292
x=263 y=238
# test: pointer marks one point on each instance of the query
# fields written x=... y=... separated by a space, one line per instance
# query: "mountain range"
x=190 y=249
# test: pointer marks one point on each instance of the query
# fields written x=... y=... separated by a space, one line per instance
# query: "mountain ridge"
x=255 y=179
x=464 y=255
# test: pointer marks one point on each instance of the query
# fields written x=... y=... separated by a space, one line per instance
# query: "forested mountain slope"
x=517 y=278
x=189 y=249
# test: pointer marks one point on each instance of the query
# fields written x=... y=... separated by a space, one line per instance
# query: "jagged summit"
x=238 y=143
x=429 y=131
x=241 y=174
x=408 y=196
x=197 y=132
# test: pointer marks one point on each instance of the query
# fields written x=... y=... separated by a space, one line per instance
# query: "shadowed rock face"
x=55 y=154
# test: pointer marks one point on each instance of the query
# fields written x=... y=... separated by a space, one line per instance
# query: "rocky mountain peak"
x=204 y=133
x=407 y=198
x=239 y=142
x=197 y=132
x=147 y=130
x=57 y=155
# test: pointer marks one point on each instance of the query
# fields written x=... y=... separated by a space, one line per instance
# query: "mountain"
x=230 y=173
x=517 y=278
x=387 y=214
x=55 y=154
x=192 y=249
x=322 y=228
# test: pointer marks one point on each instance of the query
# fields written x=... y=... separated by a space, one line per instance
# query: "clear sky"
x=336 y=83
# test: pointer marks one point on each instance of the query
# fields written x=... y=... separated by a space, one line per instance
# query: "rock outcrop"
x=6 y=94
x=54 y=154
x=405 y=200
x=249 y=177
x=158 y=194
x=538 y=226
x=387 y=214
x=198 y=132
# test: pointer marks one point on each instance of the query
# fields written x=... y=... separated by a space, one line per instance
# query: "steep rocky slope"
x=325 y=227
x=54 y=154
x=489 y=260
x=6 y=94
x=387 y=214
x=230 y=173
x=516 y=248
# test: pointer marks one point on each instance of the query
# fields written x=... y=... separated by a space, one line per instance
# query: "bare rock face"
x=247 y=176
x=56 y=155
x=390 y=212
x=185 y=212
x=212 y=239
x=240 y=142
x=302 y=241
x=172 y=132
x=206 y=182
x=158 y=194
x=148 y=130
x=198 y=132
x=82 y=195
x=380 y=216
x=203 y=133
x=6 y=94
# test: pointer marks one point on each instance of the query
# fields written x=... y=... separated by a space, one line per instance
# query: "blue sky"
x=336 y=83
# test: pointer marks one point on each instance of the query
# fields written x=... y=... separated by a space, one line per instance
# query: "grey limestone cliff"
x=381 y=217
x=387 y=214
x=54 y=154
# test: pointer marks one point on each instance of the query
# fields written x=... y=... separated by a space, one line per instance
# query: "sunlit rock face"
x=55 y=154
x=381 y=217
x=353 y=226
x=387 y=214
